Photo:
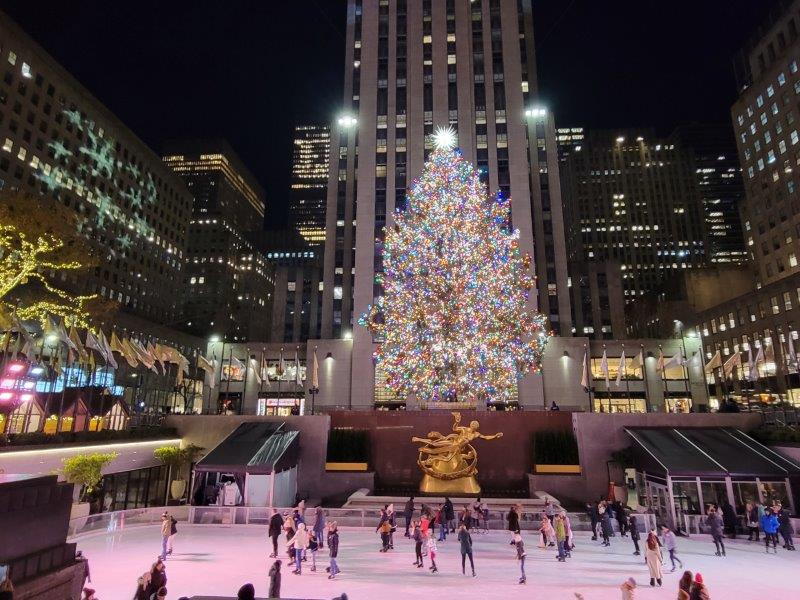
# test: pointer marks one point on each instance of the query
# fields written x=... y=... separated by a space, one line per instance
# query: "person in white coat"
x=300 y=543
x=653 y=558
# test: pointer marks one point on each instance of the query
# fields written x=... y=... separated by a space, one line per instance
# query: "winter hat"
x=698 y=578
x=631 y=582
x=246 y=592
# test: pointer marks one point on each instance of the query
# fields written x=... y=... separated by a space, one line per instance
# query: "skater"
x=715 y=526
x=633 y=527
x=418 y=538
x=592 y=513
x=477 y=513
x=520 y=546
x=561 y=538
x=466 y=517
x=300 y=543
x=729 y=519
x=313 y=547
x=333 y=549
x=289 y=528
x=513 y=522
x=568 y=545
x=485 y=513
x=622 y=518
x=671 y=544
x=440 y=520
x=699 y=590
x=785 y=526
x=385 y=529
x=450 y=515
x=275 y=528
x=751 y=514
x=546 y=533
x=156 y=579
x=628 y=588
x=685 y=585
x=769 y=523
x=166 y=531
x=275 y=580
x=465 y=539
x=653 y=558
x=605 y=524
x=319 y=526
x=431 y=543
x=173 y=531
x=549 y=510
x=408 y=513
x=392 y=524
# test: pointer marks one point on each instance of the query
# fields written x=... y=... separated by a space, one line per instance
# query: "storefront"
x=282 y=407
x=132 y=489
x=684 y=471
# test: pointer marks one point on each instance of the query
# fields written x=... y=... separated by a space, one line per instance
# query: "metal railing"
x=121 y=520
x=697 y=524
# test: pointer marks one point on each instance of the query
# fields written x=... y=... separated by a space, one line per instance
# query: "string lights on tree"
x=454 y=323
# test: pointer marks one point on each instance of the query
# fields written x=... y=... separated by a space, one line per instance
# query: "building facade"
x=412 y=66
x=229 y=284
x=633 y=200
x=719 y=182
x=60 y=141
x=598 y=302
x=309 y=184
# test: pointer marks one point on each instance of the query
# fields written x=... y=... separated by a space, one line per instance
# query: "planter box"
x=557 y=469
x=345 y=466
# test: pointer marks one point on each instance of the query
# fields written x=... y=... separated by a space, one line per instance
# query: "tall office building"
x=59 y=141
x=719 y=181
x=229 y=282
x=412 y=66
x=633 y=200
x=309 y=186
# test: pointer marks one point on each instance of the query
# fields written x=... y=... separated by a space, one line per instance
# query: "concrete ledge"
x=557 y=469
x=346 y=466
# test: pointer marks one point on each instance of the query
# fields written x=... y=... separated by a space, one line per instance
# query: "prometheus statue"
x=449 y=462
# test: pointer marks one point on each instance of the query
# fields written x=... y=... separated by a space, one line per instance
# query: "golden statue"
x=449 y=461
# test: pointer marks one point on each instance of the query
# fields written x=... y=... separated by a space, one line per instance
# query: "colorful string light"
x=455 y=322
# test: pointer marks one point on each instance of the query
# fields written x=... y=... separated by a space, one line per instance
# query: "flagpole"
x=230 y=374
x=590 y=377
x=644 y=378
x=261 y=372
x=784 y=367
x=280 y=374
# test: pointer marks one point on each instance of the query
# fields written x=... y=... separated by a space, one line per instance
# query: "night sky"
x=249 y=71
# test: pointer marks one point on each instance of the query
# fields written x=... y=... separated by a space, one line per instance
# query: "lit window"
x=12 y=58
x=770 y=91
x=760 y=101
x=781 y=79
x=793 y=137
x=8 y=145
x=26 y=70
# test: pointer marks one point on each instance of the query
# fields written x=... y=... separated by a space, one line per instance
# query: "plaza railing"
x=698 y=525
x=118 y=521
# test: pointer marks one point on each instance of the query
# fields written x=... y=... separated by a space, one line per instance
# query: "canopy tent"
x=255 y=453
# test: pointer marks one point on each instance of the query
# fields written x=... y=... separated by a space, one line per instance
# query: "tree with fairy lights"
x=455 y=323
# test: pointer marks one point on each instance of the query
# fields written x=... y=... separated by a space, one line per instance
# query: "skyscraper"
x=719 y=181
x=309 y=185
x=412 y=66
x=229 y=282
x=58 y=140
x=633 y=200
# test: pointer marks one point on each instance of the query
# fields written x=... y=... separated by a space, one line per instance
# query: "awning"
x=707 y=453
x=255 y=448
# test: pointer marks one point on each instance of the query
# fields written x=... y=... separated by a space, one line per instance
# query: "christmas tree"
x=454 y=323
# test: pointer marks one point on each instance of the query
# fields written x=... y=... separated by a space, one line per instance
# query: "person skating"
x=699 y=590
x=549 y=510
x=628 y=589
x=785 y=526
x=715 y=527
x=289 y=529
x=520 y=547
x=546 y=532
x=622 y=518
x=441 y=521
x=385 y=529
x=313 y=548
x=729 y=519
x=418 y=538
x=166 y=529
x=685 y=584
x=333 y=549
x=477 y=513
x=561 y=538
x=431 y=543
x=408 y=513
x=752 y=516
x=157 y=578
x=671 y=544
x=633 y=527
x=513 y=522
x=393 y=525
x=485 y=513
x=465 y=517
x=274 y=531
x=450 y=514
x=319 y=526
x=299 y=542
x=568 y=543
x=275 y=580
x=653 y=558
x=465 y=539
x=173 y=531
x=141 y=589
x=605 y=524
x=593 y=514
x=770 y=524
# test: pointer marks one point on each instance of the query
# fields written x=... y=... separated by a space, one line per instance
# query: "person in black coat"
x=275 y=529
x=450 y=515
x=591 y=511
x=513 y=522
x=785 y=527
x=275 y=580
x=158 y=578
x=333 y=549
x=633 y=527
x=408 y=513
x=729 y=519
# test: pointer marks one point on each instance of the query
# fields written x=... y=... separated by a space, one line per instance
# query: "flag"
x=621 y=368
x=734 y=361
x=20 y=328
x=604 y=366
x=264 y=370
x=638 y=362
x=315 y=371
x=129 y=353
x=209 y=367
x=281 y=367
x=108 y=355
x=585 y=376
x=714 y=363
x=116 y=344
x=256 y=370
x=92 y=343
x=791 y=354
x=144 y=356
x=235 y=362
x=28 y=350
x=660 y=363
x=297 y=378
x=151 y=350
x=675 y=361
x=76 y=340
x=63 y=336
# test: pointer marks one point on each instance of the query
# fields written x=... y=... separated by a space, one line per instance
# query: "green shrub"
x=77 y=437
x=555 y=447
x=177 y=458
x=86 y=470
x=348 y=445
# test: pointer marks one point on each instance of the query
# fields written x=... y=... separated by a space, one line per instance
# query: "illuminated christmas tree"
x=454 y=323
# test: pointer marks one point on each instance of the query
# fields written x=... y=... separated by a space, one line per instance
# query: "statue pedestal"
x=463 y=486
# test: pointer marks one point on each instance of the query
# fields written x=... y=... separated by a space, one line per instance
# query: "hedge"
x=555 y=448
x=67 y=437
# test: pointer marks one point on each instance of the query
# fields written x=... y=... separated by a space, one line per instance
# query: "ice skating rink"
x=217 y=560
